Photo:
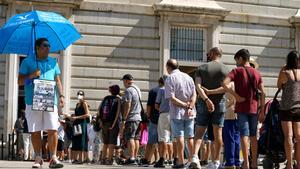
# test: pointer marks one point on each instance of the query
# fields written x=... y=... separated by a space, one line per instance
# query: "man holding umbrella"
x=42 y=67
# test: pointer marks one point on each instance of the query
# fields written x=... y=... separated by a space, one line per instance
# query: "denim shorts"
x=182 y=128
x=247 y=124
x=152 y=133
x=216 y=117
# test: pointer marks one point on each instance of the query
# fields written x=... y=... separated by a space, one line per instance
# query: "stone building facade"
x=138 y=36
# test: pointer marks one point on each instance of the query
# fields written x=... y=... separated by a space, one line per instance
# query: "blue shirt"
x=162 y=101
x=49 y=70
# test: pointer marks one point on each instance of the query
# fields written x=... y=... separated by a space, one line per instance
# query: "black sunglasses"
x=81 y=94
x=46 y=45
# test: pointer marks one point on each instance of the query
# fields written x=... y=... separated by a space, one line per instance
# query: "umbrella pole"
x=33 y=48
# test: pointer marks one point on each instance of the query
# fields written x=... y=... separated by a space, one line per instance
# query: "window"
x=188 y=43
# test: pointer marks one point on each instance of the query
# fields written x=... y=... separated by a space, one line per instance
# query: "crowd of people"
x=187 y=121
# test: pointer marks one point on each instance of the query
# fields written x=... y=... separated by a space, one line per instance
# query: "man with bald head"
x=180 y=90
x=210 y=109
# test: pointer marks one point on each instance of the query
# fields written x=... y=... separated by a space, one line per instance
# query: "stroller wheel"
x=267 y=163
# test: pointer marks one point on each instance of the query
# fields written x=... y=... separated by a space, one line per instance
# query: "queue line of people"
x=180 y=109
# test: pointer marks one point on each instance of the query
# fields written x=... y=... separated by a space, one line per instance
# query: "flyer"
x=43 y=95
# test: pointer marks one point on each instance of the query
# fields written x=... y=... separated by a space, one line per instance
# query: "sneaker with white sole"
x=213 y=165
x=195 y=164
x=55 y=163
x=38 y=162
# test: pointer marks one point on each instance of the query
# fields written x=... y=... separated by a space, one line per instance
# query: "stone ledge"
x=202 y=7
x=117 y=7
x=295 y=19
x=68 y=3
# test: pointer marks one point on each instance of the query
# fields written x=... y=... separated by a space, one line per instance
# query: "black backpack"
x=108 y=109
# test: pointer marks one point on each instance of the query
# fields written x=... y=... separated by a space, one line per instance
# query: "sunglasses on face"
x=45 y=45
x=80 y=94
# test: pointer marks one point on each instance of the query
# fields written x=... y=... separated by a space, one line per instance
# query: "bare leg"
x=288 y=142
x=180 y=149
x=253 y=143
x=137 y=147
x=217 y=142
x=296 y=126
x=37 y=143
x=198 y=138
x=245 y=145
x=52 y=142
x=190 y=145
x=104 y=151
x=110 y=151
x=169 y=151
x=131 y=148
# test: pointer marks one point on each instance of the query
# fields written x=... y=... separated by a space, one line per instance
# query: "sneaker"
x=203 y=163
x=178 y=166
x=77 y=162
x=160 y=163
x=175 y=161
x=38 y=162
x=108 y=162
x=87 y=161
x=195 y=164
x=129 y=161
x=54 y=163
x=170 y=162
x=144 y=163
x=213 y=165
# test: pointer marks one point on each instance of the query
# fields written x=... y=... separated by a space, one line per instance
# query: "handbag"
x=257 y=93
x=144 y=116
x=77 y=130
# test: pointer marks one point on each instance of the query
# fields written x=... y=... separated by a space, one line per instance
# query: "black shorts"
x=132 y=130
x=110 y=136
x=290 y=115
x=60 y=145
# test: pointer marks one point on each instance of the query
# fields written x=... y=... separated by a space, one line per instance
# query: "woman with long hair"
x=289 y=82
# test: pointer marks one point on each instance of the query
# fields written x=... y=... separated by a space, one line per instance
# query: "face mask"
x=79 y=97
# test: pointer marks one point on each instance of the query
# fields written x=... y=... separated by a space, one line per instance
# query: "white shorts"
x=164 y=128
x=41 y=120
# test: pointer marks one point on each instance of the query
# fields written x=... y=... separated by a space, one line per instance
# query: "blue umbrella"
x=20 y=32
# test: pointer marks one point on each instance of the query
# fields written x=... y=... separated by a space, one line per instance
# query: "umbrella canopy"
x=20 y=32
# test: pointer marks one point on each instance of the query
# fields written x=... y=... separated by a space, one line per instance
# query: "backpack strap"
x=139 y=97
x=250 y=78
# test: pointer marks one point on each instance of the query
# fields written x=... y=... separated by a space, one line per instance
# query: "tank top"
x=290 y=98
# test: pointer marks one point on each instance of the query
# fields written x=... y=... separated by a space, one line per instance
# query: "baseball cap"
x=127 y=77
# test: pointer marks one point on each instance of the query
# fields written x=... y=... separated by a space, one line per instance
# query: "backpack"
x=108 y=109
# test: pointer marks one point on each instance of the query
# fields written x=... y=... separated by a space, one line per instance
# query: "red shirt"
x=243 y=88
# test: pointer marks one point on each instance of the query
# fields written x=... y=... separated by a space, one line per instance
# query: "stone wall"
x=263 y=28
x=117 y=39
x=3 y=9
